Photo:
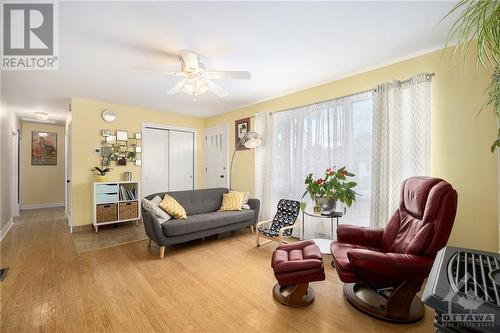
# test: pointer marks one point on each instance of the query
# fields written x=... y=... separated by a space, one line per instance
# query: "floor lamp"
x=251 y=140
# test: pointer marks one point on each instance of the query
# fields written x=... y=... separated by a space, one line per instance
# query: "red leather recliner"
x=384 y=268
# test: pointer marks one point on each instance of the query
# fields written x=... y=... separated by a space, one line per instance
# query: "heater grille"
x=471 y=275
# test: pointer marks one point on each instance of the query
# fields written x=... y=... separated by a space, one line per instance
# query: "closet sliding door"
x=181 y=161
x=167 y=160
x=154 y=161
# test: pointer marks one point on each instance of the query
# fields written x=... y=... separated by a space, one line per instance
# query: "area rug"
x=108 y=236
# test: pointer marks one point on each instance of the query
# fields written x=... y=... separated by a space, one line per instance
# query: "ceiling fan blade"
x=182 y=74
x=242 y=75
x=177 y=87
x=190 y=60
x=216 y=89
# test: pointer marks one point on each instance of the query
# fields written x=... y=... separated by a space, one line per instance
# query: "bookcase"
x=115 y=202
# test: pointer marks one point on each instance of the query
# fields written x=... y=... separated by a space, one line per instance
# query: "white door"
x=155 y=161
x=181 y=161
x=216 y=157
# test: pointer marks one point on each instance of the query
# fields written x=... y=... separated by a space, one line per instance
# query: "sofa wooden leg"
x=162 y=252
x=251 y=229
x=149 y=245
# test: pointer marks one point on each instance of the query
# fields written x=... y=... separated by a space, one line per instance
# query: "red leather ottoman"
x=295 y=265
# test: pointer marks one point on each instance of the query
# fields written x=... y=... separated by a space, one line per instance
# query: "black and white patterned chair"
x=281 y=225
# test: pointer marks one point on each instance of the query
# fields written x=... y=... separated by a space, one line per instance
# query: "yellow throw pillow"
x=172 y=207
x=232 y=201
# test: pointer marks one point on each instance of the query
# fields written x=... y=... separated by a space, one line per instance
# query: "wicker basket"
x=106 y=213
x=129 y=210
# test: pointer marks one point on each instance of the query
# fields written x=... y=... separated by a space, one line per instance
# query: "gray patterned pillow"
x=246 y=197
x=152 y=207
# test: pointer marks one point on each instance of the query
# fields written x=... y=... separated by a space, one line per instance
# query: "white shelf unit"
x=110 y=204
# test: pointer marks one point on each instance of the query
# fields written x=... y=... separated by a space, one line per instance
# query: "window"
x=312 y=138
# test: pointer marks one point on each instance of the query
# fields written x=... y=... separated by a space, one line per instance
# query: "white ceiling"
x=285 y=46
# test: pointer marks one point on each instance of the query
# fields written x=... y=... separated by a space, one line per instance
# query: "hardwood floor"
x=216 y=285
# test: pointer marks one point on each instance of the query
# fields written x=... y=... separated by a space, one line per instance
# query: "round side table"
x=323 y=243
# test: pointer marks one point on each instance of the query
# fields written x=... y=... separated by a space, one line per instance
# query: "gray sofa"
x=203 y=219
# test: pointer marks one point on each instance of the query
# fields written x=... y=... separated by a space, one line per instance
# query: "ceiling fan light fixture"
x=201 y=88
x=189 y=87
x=41 y=116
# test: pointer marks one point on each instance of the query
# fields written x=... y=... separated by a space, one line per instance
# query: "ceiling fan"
x=197 y=80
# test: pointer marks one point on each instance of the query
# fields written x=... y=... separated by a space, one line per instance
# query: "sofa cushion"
x=172 y=207
x=200 y=201
x=231 y=201
x=199 y=222
x=153 y=208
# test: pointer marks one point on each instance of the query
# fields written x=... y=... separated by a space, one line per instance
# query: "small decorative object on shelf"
x=101 y=173
x=332 y=187
x=127 y=175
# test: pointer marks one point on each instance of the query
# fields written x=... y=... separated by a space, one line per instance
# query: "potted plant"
x=332 y=187
x=101 y=173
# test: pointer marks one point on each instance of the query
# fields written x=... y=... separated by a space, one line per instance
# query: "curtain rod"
x=428 y=76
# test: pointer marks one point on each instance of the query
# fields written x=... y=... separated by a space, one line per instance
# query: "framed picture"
x=110 y=139
x=241 y=128
x=43 y=148
x=105 y=133
x=121 y=135
x=138 y=136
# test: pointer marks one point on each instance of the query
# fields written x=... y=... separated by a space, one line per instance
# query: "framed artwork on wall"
x=43 y=148
x=241 y=128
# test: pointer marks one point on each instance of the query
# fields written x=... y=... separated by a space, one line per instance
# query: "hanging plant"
x=480 y=19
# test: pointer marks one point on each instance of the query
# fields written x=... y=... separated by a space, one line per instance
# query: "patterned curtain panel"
x=401 y=143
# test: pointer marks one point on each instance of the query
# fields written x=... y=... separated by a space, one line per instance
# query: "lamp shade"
x=252 y=140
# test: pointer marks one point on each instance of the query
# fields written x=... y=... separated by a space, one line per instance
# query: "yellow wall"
x=41 y=184
x=86 y=136
x=460 y=141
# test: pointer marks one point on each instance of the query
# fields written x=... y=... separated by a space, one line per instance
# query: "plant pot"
x=326 y=204
x=101 y=178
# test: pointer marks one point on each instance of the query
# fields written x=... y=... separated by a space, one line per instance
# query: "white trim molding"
x=6 y=229
x=44 y=205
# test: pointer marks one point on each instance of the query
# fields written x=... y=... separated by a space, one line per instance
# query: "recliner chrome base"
x=394 y=307
x=294 y=295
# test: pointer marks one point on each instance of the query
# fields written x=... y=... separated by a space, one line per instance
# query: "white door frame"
x=224 y=126
x=176 y=128
x=15 y=145
x=67 y=174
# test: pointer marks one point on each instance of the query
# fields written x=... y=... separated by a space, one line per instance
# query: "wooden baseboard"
x=44 y=205
x=6 y=229
x=85 y=227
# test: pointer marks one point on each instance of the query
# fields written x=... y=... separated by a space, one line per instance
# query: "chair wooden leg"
x=257 y=238
x=149 y=245
x=162 y=252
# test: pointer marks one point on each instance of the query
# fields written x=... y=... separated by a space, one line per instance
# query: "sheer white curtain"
x=311 y=139
x=264 y=164
x=401 y=140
